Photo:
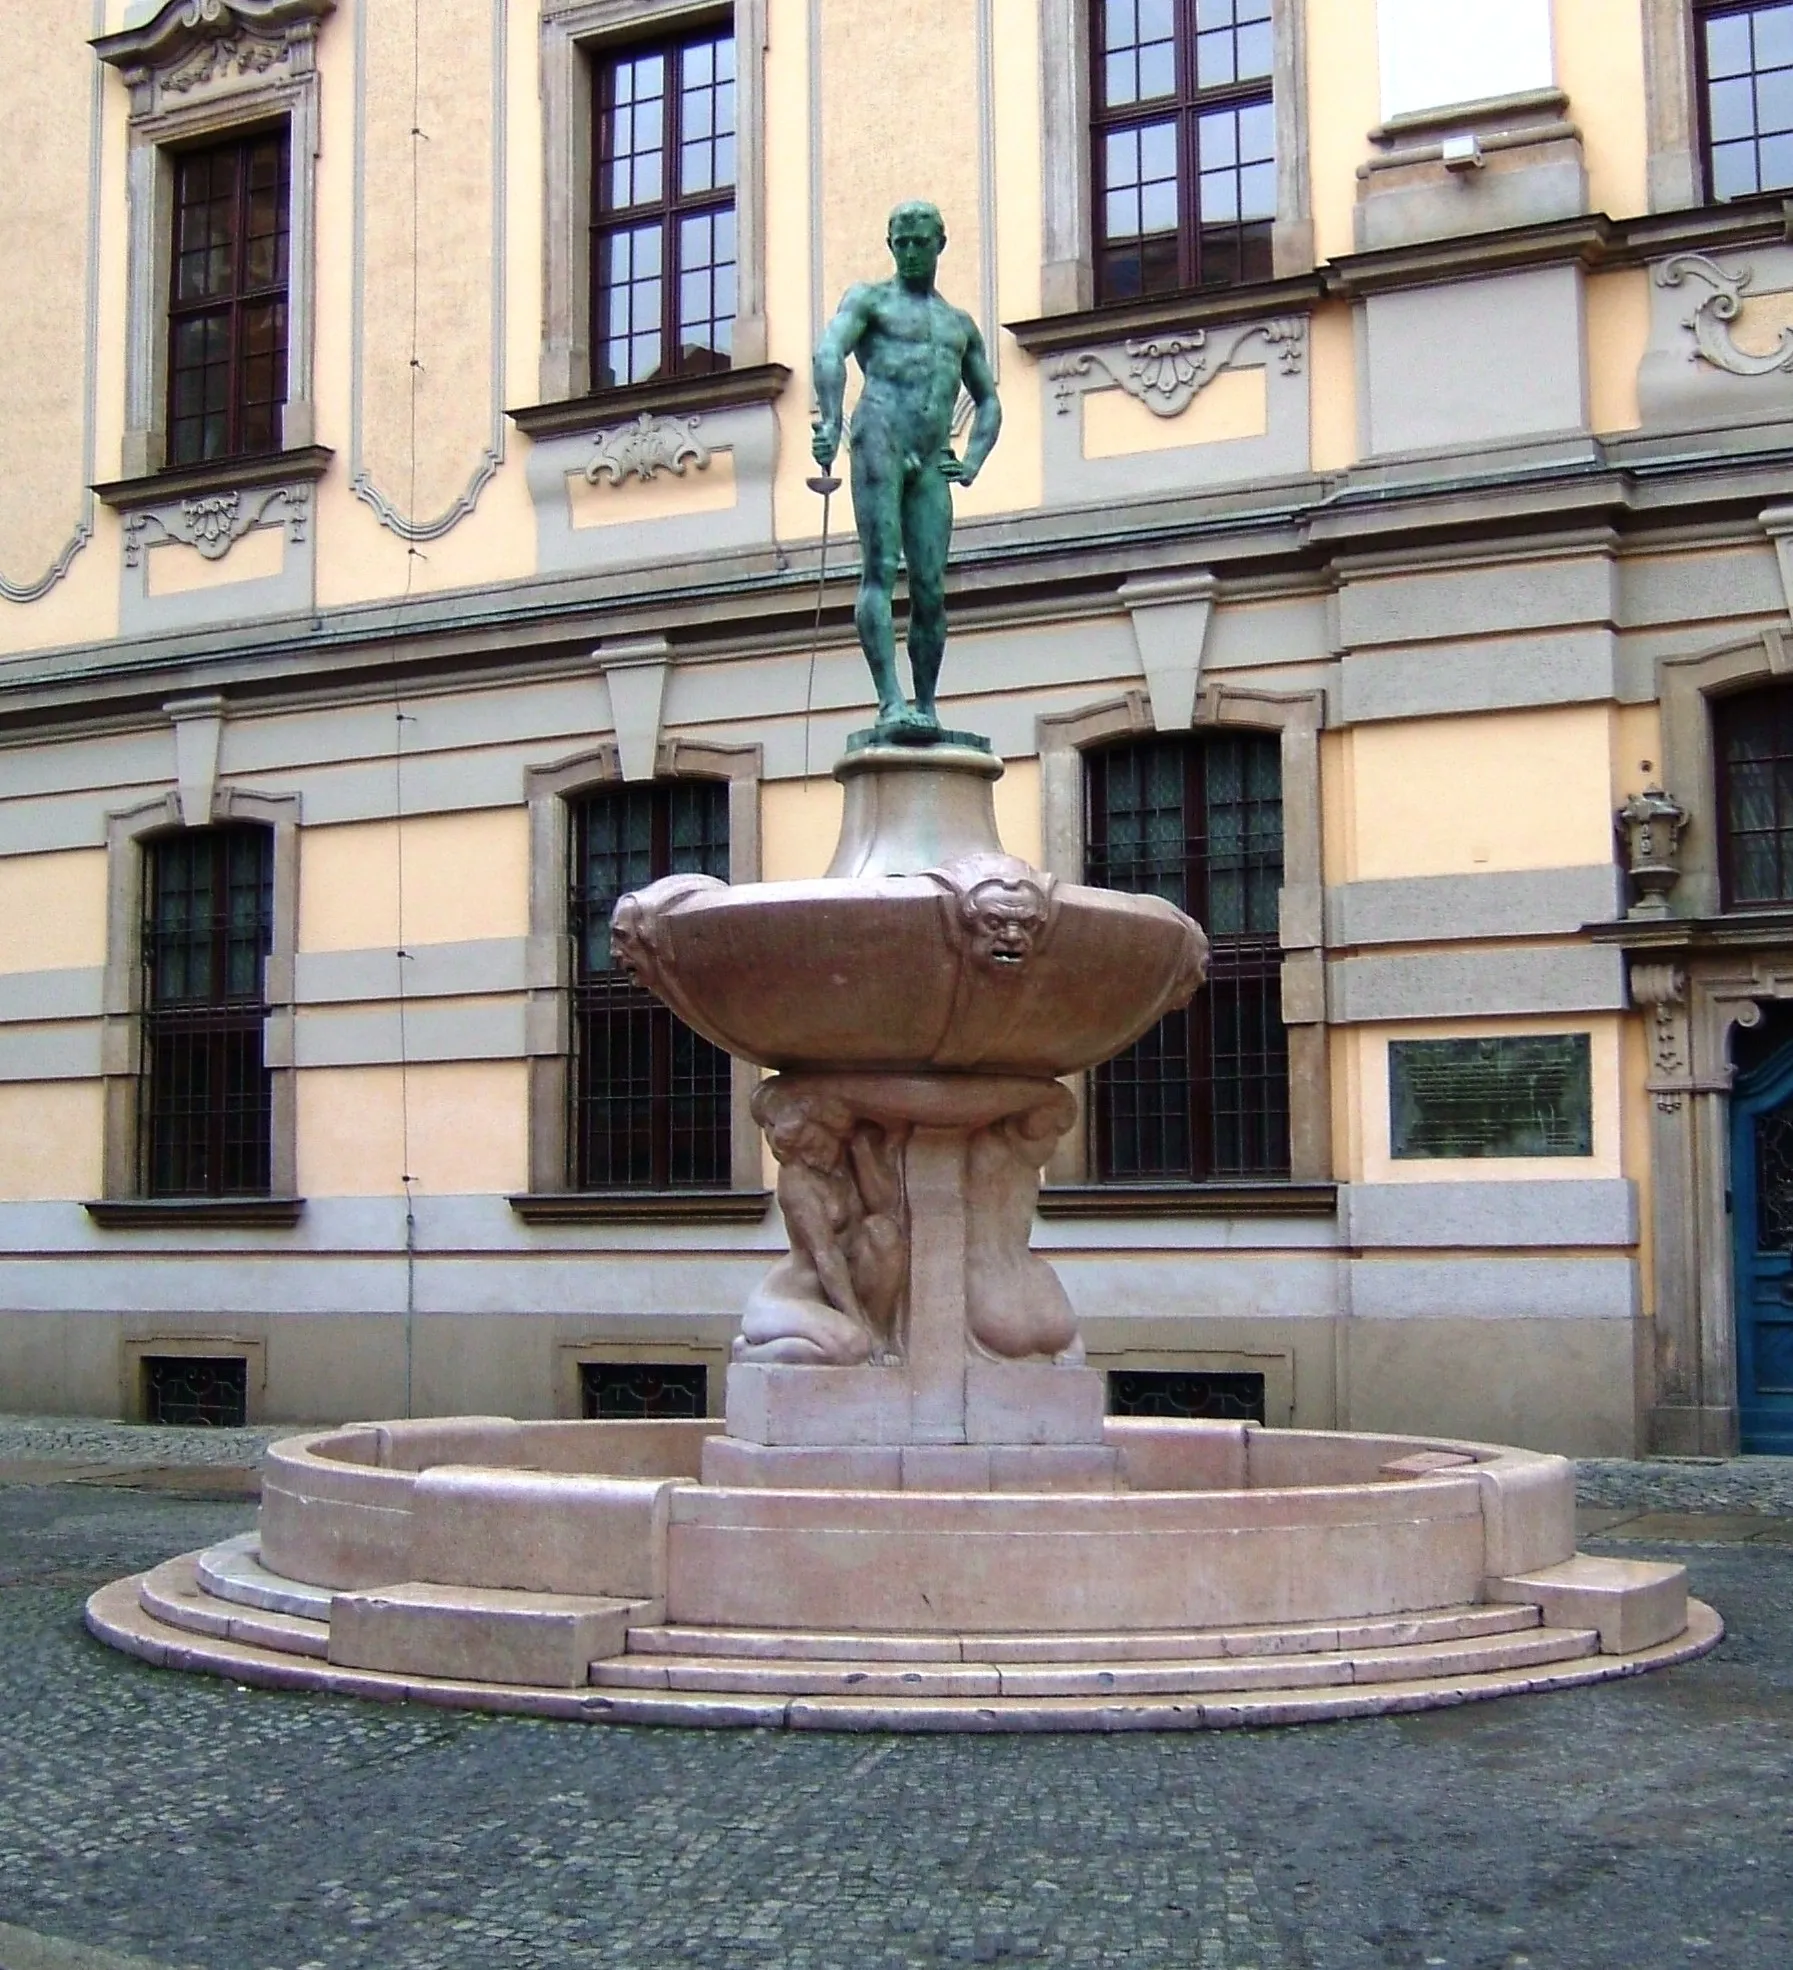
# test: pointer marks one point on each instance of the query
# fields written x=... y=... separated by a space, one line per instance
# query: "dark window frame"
x=671 y=209
x=1729 y=713
x=604 y=1002
x=205 y=1107
x=1245 y=978
x=251 y=428
x=1705 y=11
x=1250 y=242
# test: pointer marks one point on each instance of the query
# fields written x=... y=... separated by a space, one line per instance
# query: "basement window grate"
x=639 y=1391
x=203 y=1391
x=1204 y=1394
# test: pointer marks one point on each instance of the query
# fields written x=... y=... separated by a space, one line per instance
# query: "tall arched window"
x=648 y=1098
x=1198 y=821
x=205 y=1116
x=1753 y=741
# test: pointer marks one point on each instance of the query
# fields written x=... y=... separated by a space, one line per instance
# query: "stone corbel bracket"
x=1720 y=305
x=1661 y=990
x=1167 y=372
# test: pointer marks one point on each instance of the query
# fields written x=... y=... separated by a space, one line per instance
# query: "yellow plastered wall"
x=1343 y=106
x=50 y=1139
x=423 y=466
x=466 y=876
x=53 y=910
x=1618 y=318
x=1368 y=1141
x=468 y=1129
x=1453 y=796
x=1332 y=385
x=1600 y=67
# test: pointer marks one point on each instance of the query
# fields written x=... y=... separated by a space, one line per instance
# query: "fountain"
x=916 y=1514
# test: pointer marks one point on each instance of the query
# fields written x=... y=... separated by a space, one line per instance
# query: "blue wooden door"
x=1762 y=1228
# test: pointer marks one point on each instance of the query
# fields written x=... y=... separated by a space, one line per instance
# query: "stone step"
x=1300 y=1638
x=232 y=1571
x=751 y=1677
x=173 y=1594
x=116 y=1616
x=480 y=1634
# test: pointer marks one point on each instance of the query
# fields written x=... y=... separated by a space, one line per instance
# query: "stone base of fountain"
x=1211 y=1574
x=916 y=1515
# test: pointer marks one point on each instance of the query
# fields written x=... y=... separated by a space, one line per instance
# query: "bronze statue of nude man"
x=916 y=351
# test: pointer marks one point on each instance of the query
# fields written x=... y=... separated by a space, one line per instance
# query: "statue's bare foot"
x=907 y=727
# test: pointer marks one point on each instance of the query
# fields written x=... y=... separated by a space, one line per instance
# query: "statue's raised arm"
x=917 y=352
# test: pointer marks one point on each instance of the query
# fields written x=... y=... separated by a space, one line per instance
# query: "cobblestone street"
x=150 y=1818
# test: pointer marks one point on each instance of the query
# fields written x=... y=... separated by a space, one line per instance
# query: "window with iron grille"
x=1210 y=1395
x=1745 y=58
x=1198 y=821
x=1185 y=145
x=1753 y=740
x=227 y=313
x=650 y=1098
x=204 y=1391
x=663 y=210
x=640 y=1391
x=208 y=921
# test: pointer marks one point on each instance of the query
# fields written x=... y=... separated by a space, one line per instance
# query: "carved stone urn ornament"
x=1650 y=823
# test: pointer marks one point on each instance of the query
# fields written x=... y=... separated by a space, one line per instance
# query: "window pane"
x=1728 y=45
x=1731 y=110
x=1776 y=162
x=1733 y=170
x=1774 y=100
x=1774 y=37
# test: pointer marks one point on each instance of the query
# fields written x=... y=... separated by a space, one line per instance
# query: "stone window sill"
x=726 y=389
x=1189 y=1200
x=642 y=1206
x=216 y=475
x=231 y=1213
x=1120 y=321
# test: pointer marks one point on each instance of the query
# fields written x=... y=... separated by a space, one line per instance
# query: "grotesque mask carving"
x=998 y=909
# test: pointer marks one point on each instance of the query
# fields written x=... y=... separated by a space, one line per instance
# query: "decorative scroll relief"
x=214 y=524
x=1712 y=316
x=1167 y=372
x=651 y=444
x=1662 y=989
x=231 y=54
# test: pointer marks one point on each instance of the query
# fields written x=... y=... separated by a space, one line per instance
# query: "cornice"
x=1120 y=322
x=1591 y=239
x=724 y=389
x=175 y=29
x=214 y=475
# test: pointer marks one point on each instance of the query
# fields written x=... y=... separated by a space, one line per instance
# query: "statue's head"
x=917 y=238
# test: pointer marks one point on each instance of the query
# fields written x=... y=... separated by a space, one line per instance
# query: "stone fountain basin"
x=879 y=974
x=1212 y=1523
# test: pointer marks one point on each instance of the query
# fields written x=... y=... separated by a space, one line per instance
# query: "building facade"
x=405 y=547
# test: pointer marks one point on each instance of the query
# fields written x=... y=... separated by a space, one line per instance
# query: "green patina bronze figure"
x=916 y=351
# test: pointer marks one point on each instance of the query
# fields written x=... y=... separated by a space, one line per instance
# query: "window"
x=1204 y=1394
x=1197 y=821
x=1185 y=145
x=206 y=1108
x=1745 y=56
x=227 y=313
x=204 y=1391
x=1753 y=736
x=649 y=1098
x=642 y=1391
x=663 y=212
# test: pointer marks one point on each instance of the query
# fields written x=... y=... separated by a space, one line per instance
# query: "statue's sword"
x=827 y=485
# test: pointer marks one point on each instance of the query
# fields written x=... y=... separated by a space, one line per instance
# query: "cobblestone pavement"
x=183 y=1822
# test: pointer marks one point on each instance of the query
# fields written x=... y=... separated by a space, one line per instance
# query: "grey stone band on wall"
x=1471 y=984
x=1505 y=903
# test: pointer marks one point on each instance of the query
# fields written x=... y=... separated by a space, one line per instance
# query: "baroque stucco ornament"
x=1710 y=321
x=651 y=444
x=214 y=523
x=1167 y=372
